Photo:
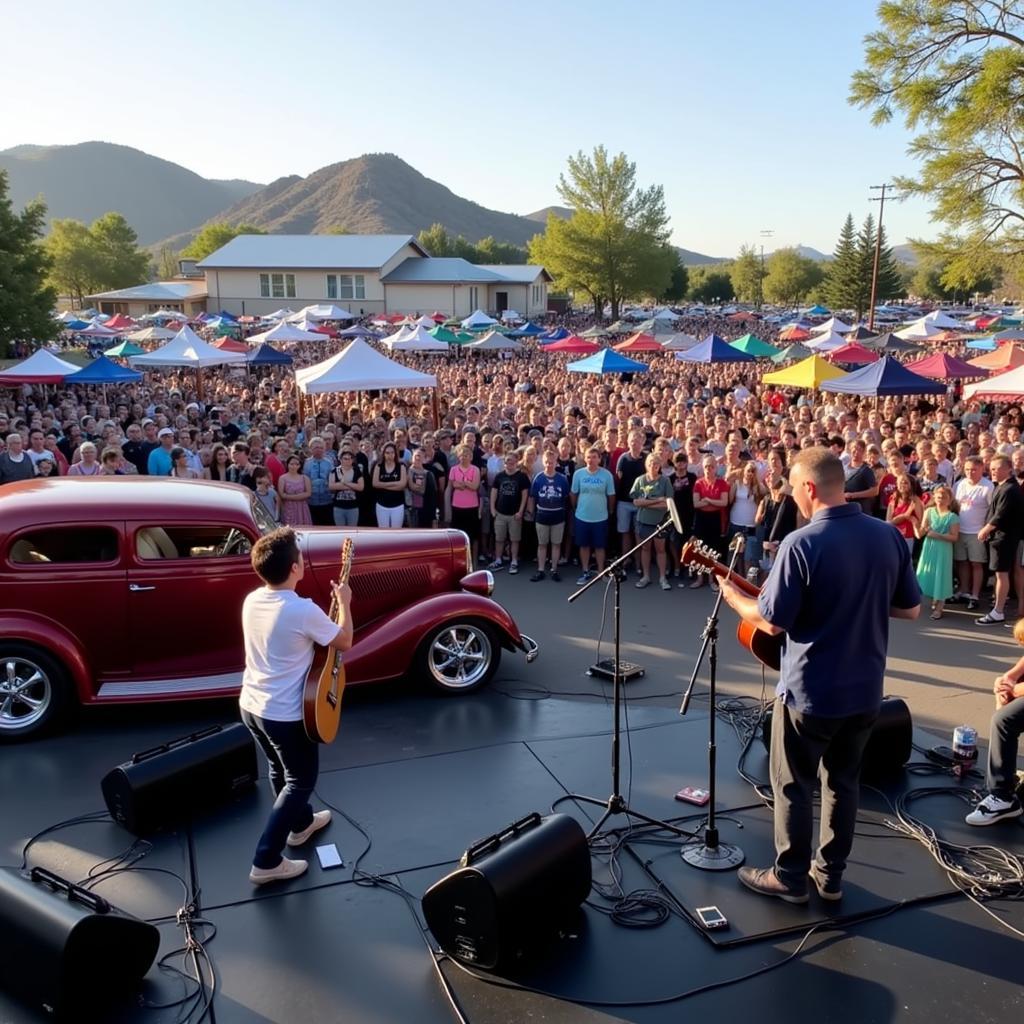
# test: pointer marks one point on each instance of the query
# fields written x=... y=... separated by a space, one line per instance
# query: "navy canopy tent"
x=886 y=377
x=266 y=355
x=714 y=349
x=554 y=335
x=528 y=330
x=104 y=371
x=607 y=361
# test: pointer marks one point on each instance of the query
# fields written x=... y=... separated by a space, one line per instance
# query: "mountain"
x=378 y=193
x=810 y=254
x=541 y=216
x=158 y=198
x=905 y=254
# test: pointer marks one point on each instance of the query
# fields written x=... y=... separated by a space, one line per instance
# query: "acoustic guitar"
x=763 y=646
x=321 y=698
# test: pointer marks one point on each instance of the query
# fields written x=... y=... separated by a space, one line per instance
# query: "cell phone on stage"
x=693 y=795
x=712 y=918
x=329 y=857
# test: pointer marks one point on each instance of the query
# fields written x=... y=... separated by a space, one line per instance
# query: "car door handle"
x=135 y=588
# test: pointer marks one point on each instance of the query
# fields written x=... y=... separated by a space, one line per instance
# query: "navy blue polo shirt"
x=831 y=588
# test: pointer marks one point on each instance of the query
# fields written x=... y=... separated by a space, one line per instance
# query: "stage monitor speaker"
x=64 y=949
x=512 y=890
x=163 y=786
x=890 y=745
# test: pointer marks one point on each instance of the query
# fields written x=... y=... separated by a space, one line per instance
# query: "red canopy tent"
x=942 y=366
x=793 y=333
x=573 y=343
x=851 y=352
x=119 y=322
x=231 y=345
x=638 y=343
x=944 y=337
x=741 y=317
x=438 y=318
x=331 y=332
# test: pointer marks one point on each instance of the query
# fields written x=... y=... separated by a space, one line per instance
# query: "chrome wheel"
x=26 y=693
x=460 y=656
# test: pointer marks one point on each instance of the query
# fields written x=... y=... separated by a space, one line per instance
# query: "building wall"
x=138 y=308
x=238 y=291
x=420 y=298
x=400 y=257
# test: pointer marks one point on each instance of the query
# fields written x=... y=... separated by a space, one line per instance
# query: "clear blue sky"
x=737 y=108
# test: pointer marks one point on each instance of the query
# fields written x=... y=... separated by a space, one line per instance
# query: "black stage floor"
x=425 y=778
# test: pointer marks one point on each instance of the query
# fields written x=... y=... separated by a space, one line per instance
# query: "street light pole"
x=880 y=199
x=765 y=233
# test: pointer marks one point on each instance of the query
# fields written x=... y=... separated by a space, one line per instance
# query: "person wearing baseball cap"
x=159 y=462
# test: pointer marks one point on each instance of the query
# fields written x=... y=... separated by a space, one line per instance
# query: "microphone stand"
x=712 y=855
x=616 y=803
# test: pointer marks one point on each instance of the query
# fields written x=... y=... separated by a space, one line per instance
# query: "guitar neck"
x=748 y=588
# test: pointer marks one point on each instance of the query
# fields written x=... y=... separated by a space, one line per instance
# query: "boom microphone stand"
x=712 y=855
x=616 y=803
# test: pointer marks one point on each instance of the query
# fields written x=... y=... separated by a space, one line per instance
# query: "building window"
x=332 y=286
x=277 y=286
x=350 y=286
x=472 y=299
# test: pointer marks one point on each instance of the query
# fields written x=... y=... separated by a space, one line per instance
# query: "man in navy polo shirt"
x=832 y=590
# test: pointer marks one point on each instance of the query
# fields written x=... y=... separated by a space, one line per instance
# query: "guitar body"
x=763 y=646
x=321 y=696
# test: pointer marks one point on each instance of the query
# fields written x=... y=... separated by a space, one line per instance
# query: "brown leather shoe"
x=767 y=883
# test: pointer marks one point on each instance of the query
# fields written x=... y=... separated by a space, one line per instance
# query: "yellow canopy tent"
x=808 y=373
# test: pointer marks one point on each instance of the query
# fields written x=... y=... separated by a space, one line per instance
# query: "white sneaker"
x=285 y=870
x=993 y=809
x=513 y=568
x=665 y=585
x=321 y=819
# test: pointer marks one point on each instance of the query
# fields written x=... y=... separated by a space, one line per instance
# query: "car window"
x=162 y=543
x=65 y=545
x=264 y=520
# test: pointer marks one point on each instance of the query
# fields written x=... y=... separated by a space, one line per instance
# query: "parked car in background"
x=129 y=589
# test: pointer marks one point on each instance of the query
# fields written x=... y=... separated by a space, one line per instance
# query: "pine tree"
x=865 y=263
x=841 y=283
x=890 y=279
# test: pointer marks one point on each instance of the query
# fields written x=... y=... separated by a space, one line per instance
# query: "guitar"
x=321 y=697
x=766 y=648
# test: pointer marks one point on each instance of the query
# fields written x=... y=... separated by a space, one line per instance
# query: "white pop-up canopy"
x=42 y=367
x=479 y=319
x=284 y=331
x=921 y=328
x=359 y=368
x=494 y=341
x=279 y=314
x=665 y=314
x=415 y=340
x=827 y=342
x=186 y=348
x=151 y=334
x=833 y=325
x=680 y=342
x=322 y=312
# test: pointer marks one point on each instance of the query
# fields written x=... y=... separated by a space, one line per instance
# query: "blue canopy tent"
x=816 y=311
x=607 y=361
x=557 y=334
x=987 y=344
x=76 y=325
x=714 y=349
x=224 y=315
x=886 y=377
x=104 y=371
x=267 y=355
x=528 y=330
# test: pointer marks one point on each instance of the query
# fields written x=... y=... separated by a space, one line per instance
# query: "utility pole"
x=880 y=199
x=765 y=233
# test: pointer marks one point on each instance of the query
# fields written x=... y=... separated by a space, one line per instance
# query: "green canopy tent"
x=754 y=346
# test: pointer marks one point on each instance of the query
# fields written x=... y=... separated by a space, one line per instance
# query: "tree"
x=842 y=280
x=74 y=269
x=790 y=276
x=615 y=244
x=166 y=263
x=953 y=70
x=890 y=277
x=26 y=300
x=120 y=261
x=746 y=274
x=213 y=236
x=679 y=281
x=710 y=284
x=438 y=242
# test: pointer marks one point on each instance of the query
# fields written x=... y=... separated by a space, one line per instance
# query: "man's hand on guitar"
x=342 y=593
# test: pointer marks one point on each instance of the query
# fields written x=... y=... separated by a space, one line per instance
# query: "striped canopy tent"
x=754 y=346
x=1003 y=387
x=640 y=342
x=942 y=366
x=810 y=373
x=794 y=332
x=853 y=354
x=1006 y=357
x=791 y=352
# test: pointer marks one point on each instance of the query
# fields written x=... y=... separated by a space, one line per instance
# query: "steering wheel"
x=233 y=543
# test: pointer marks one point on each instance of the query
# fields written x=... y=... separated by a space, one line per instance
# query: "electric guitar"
x=321 y=698
x=763 y=646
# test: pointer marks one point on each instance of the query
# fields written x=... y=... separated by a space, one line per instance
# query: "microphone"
x=738 y=543
x=673 y=514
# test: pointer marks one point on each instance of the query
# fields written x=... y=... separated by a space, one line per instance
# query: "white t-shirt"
x=280 y=629
x=974 y=501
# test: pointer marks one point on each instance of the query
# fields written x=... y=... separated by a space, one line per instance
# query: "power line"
x=880 y=199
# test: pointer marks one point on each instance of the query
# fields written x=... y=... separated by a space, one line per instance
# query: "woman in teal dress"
x=939 y=530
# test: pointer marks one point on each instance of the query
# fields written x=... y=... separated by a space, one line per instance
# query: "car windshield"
x=264 y=520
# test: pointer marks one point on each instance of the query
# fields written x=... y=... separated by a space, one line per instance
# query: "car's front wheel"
x=34 y=691
x=460 y=657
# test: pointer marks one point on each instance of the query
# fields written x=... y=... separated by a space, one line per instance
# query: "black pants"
x=804 y=746
x=294 y=763
x=1007 y=725
x=322 y=515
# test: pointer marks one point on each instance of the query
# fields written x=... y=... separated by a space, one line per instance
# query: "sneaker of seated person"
x=285 y=870
x=994 y=808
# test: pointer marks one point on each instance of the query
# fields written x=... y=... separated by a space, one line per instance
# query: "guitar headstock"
x=700 y=557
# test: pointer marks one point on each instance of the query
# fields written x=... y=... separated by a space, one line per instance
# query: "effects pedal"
x=627 y=670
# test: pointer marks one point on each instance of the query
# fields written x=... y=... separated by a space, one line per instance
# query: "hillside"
x=158 y=198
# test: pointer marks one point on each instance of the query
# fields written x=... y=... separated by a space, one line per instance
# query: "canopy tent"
x=810 y=373
x=1004 y=387
x=794 y=332
x=75 y=325
x=324 y=311
x=285 y=332
x=555 y=334
x=679 y=342
x=231 y=345
x=359 y=367
x=816 y=311
x=620 y=328
x=67 y=316
x=151 y=334
x=510 y=316
x=754 y=346
x=447 y=336
x=126 y=348
x=1006 y=357
x=666 y=315
x=477 y=319
x=794 y=351
x=833 y=325
x=920 y=328
x=886 y=377
x=860 y=333
x=655 y=328
x=593 y=333
x=494 y=341
x=984 y=344
x=98 y=331
x=572 y=343
x=528 y=330
x=640 y=342
x=942 y=320
x=120 y=322
x=714 y=349
x=942 y=366
x=41 y=367
x=890 y=343
x=186 y=348
x=265 y=355
x=607 y=361
x=825 y=342
x=279 y=314
x=415 y=339
x=1012 y=334
x=165 y=314
x=104 y=371
x=358 y=331
x=853 y=353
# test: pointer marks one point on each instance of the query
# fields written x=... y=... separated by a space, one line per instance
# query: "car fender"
x=56 y=641
x=373 y=656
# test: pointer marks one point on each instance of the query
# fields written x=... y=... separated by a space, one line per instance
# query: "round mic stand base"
x=722 y=857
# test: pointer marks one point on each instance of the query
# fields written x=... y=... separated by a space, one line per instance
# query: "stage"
x=425 y=777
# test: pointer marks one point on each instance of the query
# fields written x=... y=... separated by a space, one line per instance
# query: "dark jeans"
x=294 y=762
x=322 y=515
x=802 y=747
x=1007 y=725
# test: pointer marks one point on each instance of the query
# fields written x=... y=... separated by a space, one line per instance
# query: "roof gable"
x=517 y=273
x=312 y=252
x=440 y=270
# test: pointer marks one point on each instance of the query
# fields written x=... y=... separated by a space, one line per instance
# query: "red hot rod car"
x=128 y=589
